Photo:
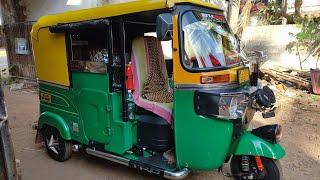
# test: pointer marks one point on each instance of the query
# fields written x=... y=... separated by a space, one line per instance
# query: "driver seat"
x=140 y=59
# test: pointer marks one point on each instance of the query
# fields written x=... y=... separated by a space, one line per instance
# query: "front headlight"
x=221 y=105
x=232 y=106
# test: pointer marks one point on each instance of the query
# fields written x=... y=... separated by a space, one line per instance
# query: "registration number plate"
x=243 y=75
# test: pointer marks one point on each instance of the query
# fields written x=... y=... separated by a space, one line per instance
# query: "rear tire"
x=272 y=168
x=57 y=148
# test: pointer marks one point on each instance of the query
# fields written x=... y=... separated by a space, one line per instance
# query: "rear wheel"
x=272 y=168
x=57 y=148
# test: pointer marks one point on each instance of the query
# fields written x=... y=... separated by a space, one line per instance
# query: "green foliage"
x=271 y=14
x=308 y=39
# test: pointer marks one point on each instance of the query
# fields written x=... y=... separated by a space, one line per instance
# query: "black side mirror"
x=164 y=27
x=262 y=98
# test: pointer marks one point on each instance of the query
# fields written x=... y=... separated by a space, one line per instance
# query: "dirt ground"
x=298 y=112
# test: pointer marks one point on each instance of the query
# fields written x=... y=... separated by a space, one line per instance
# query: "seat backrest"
x=139 y=59
x=141 y=70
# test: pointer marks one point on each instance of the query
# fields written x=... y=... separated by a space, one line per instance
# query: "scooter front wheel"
x=246 y=168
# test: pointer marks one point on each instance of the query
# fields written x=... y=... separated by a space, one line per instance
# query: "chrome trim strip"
x=166 y=174
x=52 y=84
x=108 y=156
x=177 y=174
x=217 y=86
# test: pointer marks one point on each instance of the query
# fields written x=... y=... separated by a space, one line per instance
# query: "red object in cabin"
x=129 y=77
x=214 y=61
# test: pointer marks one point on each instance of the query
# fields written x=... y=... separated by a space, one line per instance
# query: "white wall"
x=307 y=6
x=4 y=70
x=38 y=8
x=273 y=40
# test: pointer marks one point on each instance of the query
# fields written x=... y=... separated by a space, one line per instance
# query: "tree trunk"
x=297 y=7
x=284 y=7
x=233 y=14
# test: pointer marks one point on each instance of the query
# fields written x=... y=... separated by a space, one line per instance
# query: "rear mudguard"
x=54 y=120
x=250 y=144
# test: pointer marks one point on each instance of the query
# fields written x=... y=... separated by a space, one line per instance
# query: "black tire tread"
x=68 y=152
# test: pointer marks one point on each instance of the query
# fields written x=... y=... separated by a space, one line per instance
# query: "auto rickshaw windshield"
x=208 y=42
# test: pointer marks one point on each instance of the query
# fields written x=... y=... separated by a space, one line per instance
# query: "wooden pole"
x=8 y=169
x=233 y=14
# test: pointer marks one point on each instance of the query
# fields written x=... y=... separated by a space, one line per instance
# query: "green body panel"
x=52 y=119
x=61 y=105
x=88 y=112
x=91 y=98
x=124 y=134
x=201 y=143
x=250 y=144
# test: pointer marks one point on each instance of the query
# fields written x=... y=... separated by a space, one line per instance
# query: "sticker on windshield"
x=212 y=17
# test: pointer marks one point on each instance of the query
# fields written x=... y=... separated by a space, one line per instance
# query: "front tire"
x=57 y=148
x=272 y=168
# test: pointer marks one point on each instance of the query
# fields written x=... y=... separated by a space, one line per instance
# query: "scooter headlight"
x=232 y=106
x=225 y=106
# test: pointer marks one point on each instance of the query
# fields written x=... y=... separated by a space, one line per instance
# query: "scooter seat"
x=140 y=62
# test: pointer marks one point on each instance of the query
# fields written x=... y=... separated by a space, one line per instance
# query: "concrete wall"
x=307 y=6
x=273 y=40
x=36 y=9
x=4 y=70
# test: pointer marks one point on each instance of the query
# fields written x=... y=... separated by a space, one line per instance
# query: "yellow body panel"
x=171 y=3
x=51 y=57
x=181 y=76
x=50 y=49
x=111 y=10
x=97 y=13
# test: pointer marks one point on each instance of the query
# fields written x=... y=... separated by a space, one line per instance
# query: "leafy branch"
x=308 y=39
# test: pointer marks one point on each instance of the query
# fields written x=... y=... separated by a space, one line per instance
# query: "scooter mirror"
x=164 y=27
x=270 y=94
x=263 y=99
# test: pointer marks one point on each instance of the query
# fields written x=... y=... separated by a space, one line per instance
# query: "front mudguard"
x=53 y=120
x=249 y=144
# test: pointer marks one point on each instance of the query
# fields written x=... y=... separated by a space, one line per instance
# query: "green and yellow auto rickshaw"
x=159 y=86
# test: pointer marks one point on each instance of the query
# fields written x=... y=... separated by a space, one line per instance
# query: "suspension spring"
x=245 y=163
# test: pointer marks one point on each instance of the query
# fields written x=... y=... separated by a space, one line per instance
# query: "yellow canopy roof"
x=111 y=10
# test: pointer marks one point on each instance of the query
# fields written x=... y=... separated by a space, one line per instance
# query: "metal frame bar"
x=123 y=67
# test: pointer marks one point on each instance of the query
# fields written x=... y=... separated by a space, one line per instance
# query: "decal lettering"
x=148 y=169
x=45 y=97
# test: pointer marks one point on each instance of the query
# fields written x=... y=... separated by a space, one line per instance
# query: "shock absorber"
x=259 y=163
x=261 y=172
x=245 y=163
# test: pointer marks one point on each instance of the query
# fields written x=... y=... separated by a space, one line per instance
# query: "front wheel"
x=245 y=167
x=57 y=148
